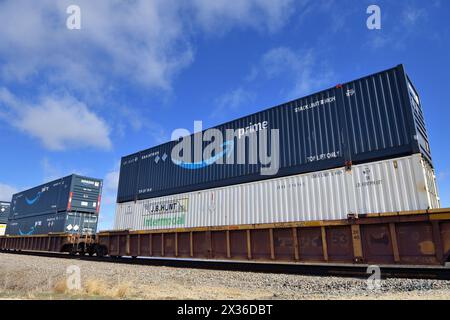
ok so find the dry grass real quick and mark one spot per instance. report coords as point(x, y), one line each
point(60, 287)
point(96, 288)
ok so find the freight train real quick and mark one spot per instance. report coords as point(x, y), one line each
point(342, 175)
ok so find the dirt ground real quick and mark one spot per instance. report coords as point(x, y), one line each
point(34, 277)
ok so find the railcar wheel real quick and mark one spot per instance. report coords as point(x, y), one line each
point(100, 251)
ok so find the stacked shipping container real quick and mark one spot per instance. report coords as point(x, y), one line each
point(359, 147)
point(70, 204)
point(401, 184)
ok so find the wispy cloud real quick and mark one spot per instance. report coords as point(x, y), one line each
point(110, 184)
point(144, 42)
point(412, 15)
point(306, 72)
point(132, 118)
point(6, 192)
point(263, 15)
point(59, 122)
point(443, 175)
point(232, 101)
point(397, 30)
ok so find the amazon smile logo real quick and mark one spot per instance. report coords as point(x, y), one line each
point(30, 202)
point(227, 150)
point(253, 144)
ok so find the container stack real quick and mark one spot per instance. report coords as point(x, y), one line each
point(67, 205)
point(360, 147)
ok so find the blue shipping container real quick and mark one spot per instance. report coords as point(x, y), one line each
point(373, 118)
point(71, 193)
point(69, 204)
point(65, 222)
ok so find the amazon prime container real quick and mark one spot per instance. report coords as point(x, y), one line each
point(374, 118)
point(54, 206)
point(399, 184)
point(64, 222)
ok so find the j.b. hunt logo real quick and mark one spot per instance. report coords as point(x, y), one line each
point(167, 206)
point(156, 213)
point(246, 145)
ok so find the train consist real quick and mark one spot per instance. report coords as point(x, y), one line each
point(343, 175)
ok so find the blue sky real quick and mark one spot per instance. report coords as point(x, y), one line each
point(78, 100)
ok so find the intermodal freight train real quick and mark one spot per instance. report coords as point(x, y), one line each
point(342, 175)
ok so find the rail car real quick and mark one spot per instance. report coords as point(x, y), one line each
point(399, 238)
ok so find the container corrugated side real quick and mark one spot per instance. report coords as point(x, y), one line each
point(373, 118)
point(399, 184)
point(384, 117)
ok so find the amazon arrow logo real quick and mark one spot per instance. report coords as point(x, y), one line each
point(29, 233)
point(227, 146)
point(34, 200)
point(255, 144)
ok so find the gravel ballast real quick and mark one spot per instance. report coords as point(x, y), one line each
point(28, 276)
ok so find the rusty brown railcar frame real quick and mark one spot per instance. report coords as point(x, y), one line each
point(412, 238)
point(57, 242)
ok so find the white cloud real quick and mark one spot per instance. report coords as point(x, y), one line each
point(138, 120)
point(302, 69)
point(263, 15)
point(51, 172)
point(412, 15)
point(400, 28)
point(140, 41)
point(307, 74)
point(58, 122)
point(443, 175)
point(111, 181)
point(6, 192)
point(232, 101)
point(110, 185)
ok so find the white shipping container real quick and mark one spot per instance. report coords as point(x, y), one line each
point(393, 185)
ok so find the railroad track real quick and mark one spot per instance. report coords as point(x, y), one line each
point(323, 270)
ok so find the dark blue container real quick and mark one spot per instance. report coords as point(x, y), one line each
point(369, 119)
point(4, 212)
point(52, 206)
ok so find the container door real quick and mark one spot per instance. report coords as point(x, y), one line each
point(129, 172)
point(376, 117)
